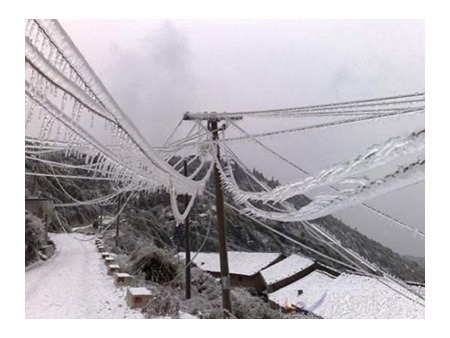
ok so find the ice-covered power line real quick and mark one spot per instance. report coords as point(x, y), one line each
point(376, 156)
point(327, 204)
point(420, 133)
point(62, 84)
point(376, 105)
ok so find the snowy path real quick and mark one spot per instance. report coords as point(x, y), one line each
point(74, 284)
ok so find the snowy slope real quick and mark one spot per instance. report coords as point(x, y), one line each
point(313, 287)
point(350, 297)
point(74, 284)
point(354, 296)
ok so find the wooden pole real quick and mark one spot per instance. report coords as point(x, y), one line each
point(101, 219)
point(187, 241)
point(118, 220)
point(223, 254)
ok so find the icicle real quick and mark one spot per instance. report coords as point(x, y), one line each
point(57, 62)
point(40, 42)
point(46, 88)
point(30, 114)
point(40, 110)
point(52, 55)
point(72, 75)
point(43, 127)
point(76, 106)
point(92, 119)
point(63, 101)
point(58, 130)
point(33, 76)
point(40, 84)
point(80, 110)
point(29, 26)
point(46, 48)
point(55, 92)
point(63, 67)
point(33, 32)
point(60, 63)
point(49, 131)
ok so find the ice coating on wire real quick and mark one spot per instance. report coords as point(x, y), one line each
point(61, 64)
point(376, 156)
point(326, 204)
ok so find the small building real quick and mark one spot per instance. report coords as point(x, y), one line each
point(41, 208)
point(244, 267)
point(286, 272)
point(38, 206)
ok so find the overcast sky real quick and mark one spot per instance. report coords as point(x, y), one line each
point(159, 69)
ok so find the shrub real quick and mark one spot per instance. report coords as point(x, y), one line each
point(163, 304)
point(34, 237)
point(156, 265)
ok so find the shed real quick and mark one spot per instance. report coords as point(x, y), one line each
point(286, 272)
point(244, 267)
point(40, 207)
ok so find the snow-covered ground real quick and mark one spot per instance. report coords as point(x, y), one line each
point(307, 292)
point(74, 284)
point(350, 297)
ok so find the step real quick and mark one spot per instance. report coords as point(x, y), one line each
point(105, 254)
point(101, 248)
point(123, 279)
point(138, 297)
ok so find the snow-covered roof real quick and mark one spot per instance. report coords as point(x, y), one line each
point(240, 263)
point(352, 296)
point(286, 268)
point(312, 288)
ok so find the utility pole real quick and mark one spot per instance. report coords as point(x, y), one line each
point(223, 253)
point(187, 244)
point(101, 218)
point(118, 220)
point(33, 193)
point(212, 120)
